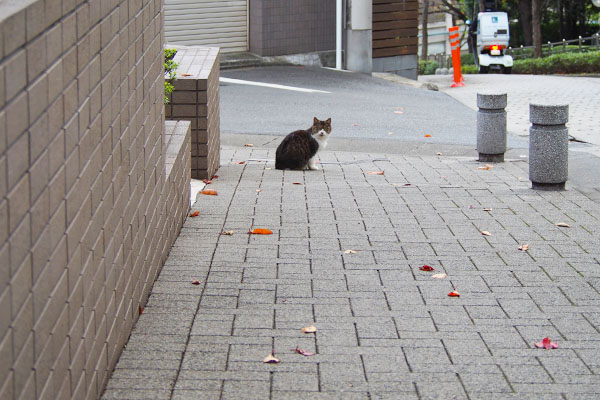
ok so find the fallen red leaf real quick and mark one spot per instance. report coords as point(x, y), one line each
point(271, 359)
point(209, 192)
point(207, 181)
point(296, 183)
point(428, 135)
point(240, 162)
point(546, 344)
point(260, 231)
point(427, 268)
point(195, 214)
point(195, 282)
point(140, 310)
point(375, 172)
point(303, 352)
point(454, 293)
point(215, 176)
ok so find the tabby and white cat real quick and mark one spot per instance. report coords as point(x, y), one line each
point(298, 150)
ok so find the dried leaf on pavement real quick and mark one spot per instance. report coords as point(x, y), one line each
point(547, 344)
point(485, 167)
point(486, 233)
point(454, 293)
point(296, 183)
point(350, 251)
point(240, 162)
point(309, 329)
point(428, 135)
point(195, 214)
point(487, 209)
point(186, 74)
point(427, 268)
point(375, 172)
point(524, 247)
point(209, 192)
point(227, 233)
point(304, 352)
point(260, 231)
point(439, 276)
point(271, 359)
point(248, 145)
point(438, 154)
point(563, 225)
point(195, 282)
point(207, 181)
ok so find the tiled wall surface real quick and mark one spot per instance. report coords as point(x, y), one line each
point(196, 99)
point(87, 212)
point(280, 27)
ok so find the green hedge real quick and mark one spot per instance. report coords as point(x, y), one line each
point(567, 63)
point(428, 67)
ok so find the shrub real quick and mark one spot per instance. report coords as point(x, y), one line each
point(170, 72)
point(567, 63)
point(428, 67)
point(467, 59)
point(469, 69)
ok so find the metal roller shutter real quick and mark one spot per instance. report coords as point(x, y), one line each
point(207, 23)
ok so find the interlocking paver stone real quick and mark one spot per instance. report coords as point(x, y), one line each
point(385, 329)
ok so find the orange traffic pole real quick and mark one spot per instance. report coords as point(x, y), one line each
point(455, 46)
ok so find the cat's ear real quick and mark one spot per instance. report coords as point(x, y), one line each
point(315, 120)
point(328, 121)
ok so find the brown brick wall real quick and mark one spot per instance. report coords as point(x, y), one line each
point(87, 212)
point(195, 98)
point(280, 27)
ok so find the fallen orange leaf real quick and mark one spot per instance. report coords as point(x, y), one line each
point(195, 214)
point(486, 167)
point(186, 74)
point(428, 135)
point(309, 329)
point(271, 359)
point(209, 192)
point(248, 145)
point(454, 293)
point(260, 231)
point(207, 181)
point(215, 176)
point(375, 172)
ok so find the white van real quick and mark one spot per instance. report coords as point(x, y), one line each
point(492, 41)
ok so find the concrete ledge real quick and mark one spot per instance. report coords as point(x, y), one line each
point(195, 98)
point(177, 140)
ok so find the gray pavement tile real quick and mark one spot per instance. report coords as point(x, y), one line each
point(135, 394)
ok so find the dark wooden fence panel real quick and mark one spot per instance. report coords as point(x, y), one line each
point(395, 27)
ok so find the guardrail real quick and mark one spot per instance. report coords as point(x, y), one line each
point(579, 45)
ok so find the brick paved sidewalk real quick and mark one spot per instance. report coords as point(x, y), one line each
point(386, 330)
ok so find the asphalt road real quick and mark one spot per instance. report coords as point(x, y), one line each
point(361, 107)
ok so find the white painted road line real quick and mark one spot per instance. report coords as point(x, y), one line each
point(270, 85)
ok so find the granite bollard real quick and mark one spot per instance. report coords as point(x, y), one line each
point(548, 146)
point(491, 127)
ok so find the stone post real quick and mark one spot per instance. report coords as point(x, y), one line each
point(491, 127)
point(548, 146)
